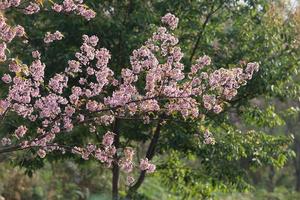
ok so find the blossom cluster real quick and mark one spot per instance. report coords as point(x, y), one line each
point(7, 34)
point(170, 20)
point(9, 3)
point(20, 131)
point(145, 165)
point(32, 8)
point(126, 162)
point(68, 6)
point(208, 138)
point(104, 154)
point(75, 6)
point(50, 37)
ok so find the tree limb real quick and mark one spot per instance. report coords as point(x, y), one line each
point(201, 32)
point(115, 166)
point(149, 155)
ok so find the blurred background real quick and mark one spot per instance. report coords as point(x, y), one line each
point(257, 150)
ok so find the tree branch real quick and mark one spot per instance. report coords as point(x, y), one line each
point(115, 166)
point(10, 149)
point(201, 32)
point(149, 155)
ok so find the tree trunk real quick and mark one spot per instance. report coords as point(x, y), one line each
point(293, 128)
point(270, 184)
point(115, 166)
point(115, 182)
point(297, 163)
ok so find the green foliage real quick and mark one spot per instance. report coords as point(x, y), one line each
point(57, 181)
point(262, 118)
point(261, 194)
point(223, 166)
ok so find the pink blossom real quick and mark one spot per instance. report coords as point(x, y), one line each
point(76, 7)
point(4, 5)
point(49, 106)
point(6, 78)
point(58, 83)
point(22, 109)
point(74, 99)
point(4, 104)
point(81, 118)
point(68, 125)
point(91, 148)
point(51, 37)
point(217, 109)
point(101, 155)
point(146, 166)
point(90, 71)
point(14, 67)
point(108, 139)
point(127, 166)
point(21, 91)
point(57, 8)
point(110, 151)
point(208, 138)
point(129, 180)
point(88, 14)
point(15, 3)
point(200, 63)
point(107, 119)
point(55, 129)
point(69, 110)
point(170, 20)
point(41, 153)
point(76, 90)
point(103, 56)
point(141, 59)
point(149, 106)
point(32, 8)
point(69, 5)
point(151, 168)
point(20, 131)
point(5, 141)
point(9, 3)
point(128, 76)
point(92, 129)
point(37, 69)
point(2, 51)
point(93, 106)
point(209, 101)
point(36, 54)
point(128, 153)
point(82, 81)
point(20, 31)
point(251, 68)
point(74, 66)
point(93, 40)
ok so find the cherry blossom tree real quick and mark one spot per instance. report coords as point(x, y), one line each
point(156, 88)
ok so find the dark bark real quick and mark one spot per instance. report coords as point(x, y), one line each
point(270, 184)
point(297, 163)
point(150, 153)
point(10, 149)
point(115, 166)
point(201, 32)
point(292, 128)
